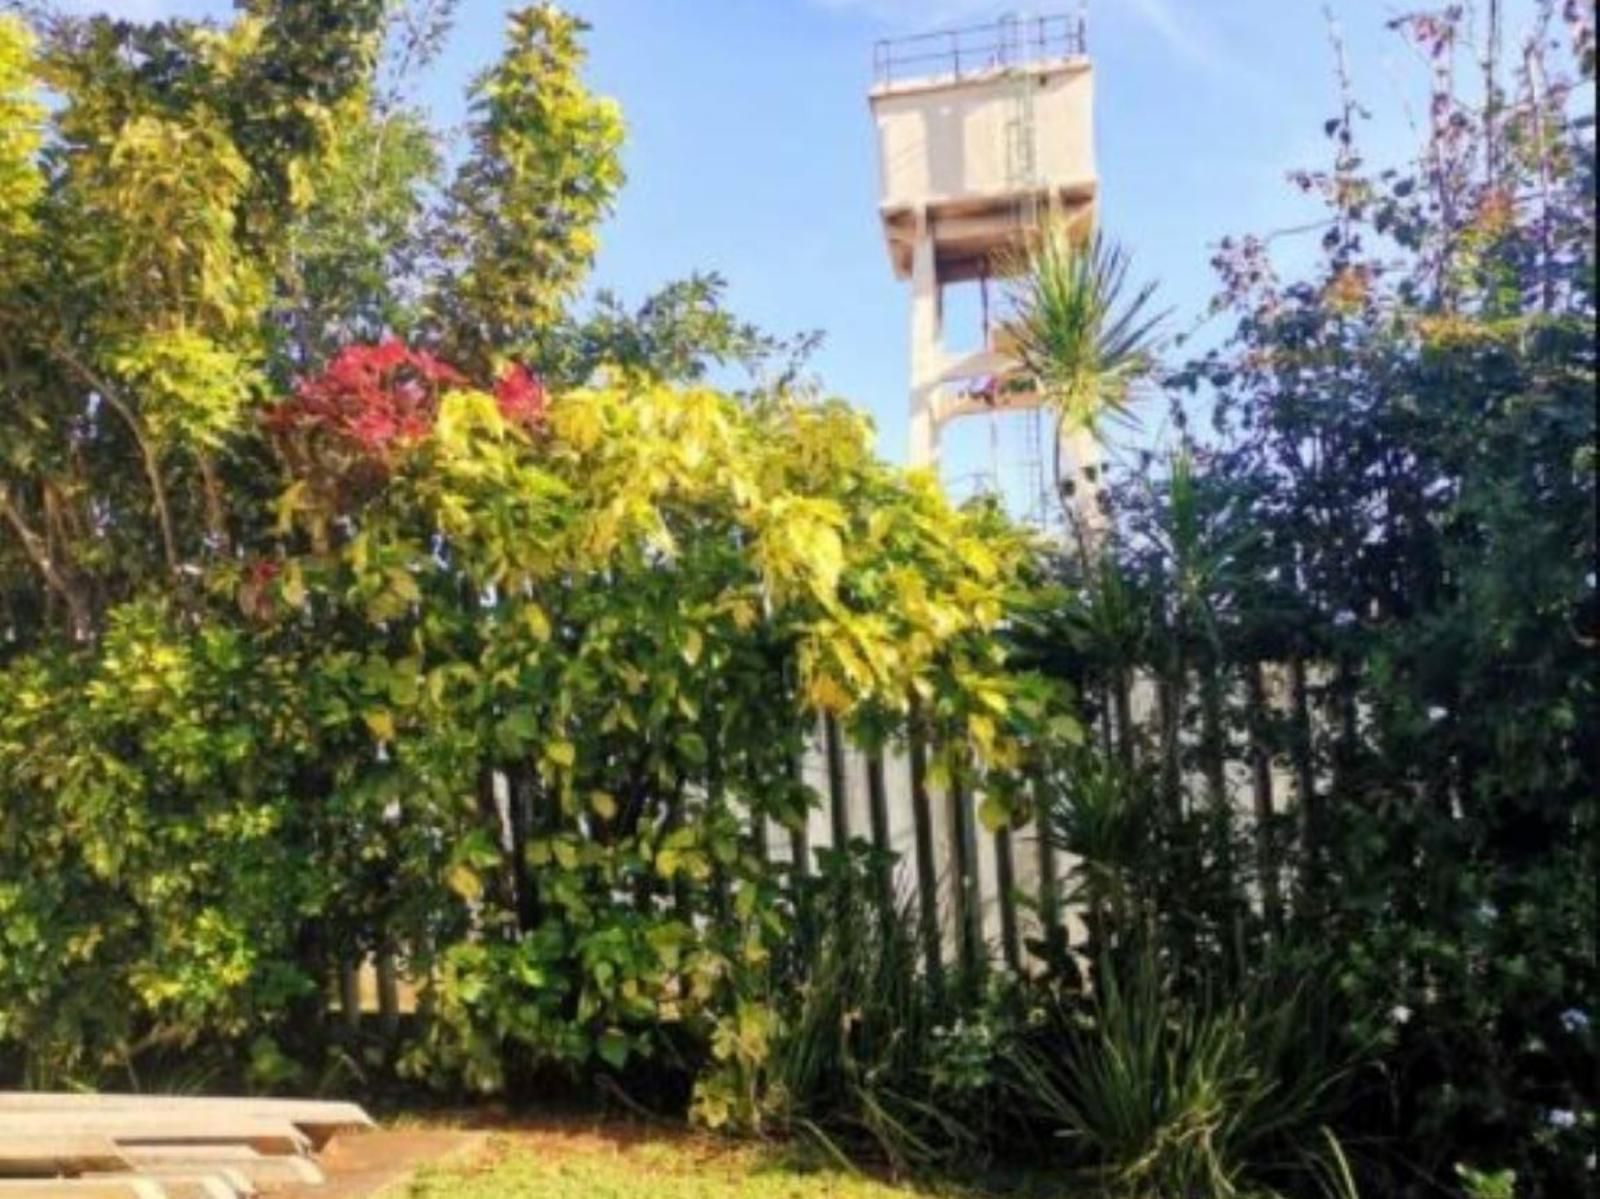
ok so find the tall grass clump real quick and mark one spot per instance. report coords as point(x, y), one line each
point(876, 1054)
point(1157, 1094)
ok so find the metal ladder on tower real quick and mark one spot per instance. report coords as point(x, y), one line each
point(1022, 178)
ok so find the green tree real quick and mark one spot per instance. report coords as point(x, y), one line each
point(543, 171)
point(1377, 572)
point(206, 214)
point(329, 642)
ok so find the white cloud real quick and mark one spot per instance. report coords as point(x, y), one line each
point(1184, 37)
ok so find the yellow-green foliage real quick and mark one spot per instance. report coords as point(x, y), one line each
point(21, 131)
point(194, 389)
point(283, 620)
point(166, 195)
point(680, 582)
point(632, 612)
point(544, 171)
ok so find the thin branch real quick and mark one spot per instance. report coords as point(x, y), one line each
point(1533, 57)
point(33, 545)
point(1491, 96)
point(216, 515)
point(147, 453)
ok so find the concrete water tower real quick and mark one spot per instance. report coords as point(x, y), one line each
point(980, 132)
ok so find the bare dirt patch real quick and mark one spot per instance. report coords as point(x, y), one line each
point(368, 1164)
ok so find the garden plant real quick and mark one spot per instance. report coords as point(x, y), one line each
point(366, 593)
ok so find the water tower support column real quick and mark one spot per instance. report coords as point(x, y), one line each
point(927, 346)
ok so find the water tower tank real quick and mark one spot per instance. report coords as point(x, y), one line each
point(979, 131)
point(976, 129)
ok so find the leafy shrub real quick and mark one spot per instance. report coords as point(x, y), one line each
point(421, 657)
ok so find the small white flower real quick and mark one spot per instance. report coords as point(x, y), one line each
point(1574, 1020)
point(1562, 1118)
point(1400, 1014)
point(1436, 713)
point(1487, 912)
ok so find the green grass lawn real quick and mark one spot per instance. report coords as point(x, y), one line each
point(658, 1167)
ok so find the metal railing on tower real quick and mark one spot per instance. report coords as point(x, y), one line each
point(956, 53)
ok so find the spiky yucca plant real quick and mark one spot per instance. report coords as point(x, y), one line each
point(1085, 334)
point(1222, 1093)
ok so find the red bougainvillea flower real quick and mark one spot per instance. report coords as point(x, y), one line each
point(385, 356)
point(373, 398)
point(255, 583)
point(520, 394)
point(262, 571)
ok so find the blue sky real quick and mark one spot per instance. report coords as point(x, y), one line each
point(751, 152)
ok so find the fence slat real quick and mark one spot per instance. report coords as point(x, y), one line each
point(1213, 746)
point(720, 891)
point(964, 859)
point(1049, 886)
point(1006, 884)
point(800, 859)
point(1305, 776)
point(799, 834)
point(838, 793)
point(878, 808)
point(927, 874)
point(1213, 762)
point(1122, 699)
point(1108, 723)
point(350, 993)
point(1169, 708)
point(758, 837)
point(1261, 787)
point(520, 802)
point(388, 993)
